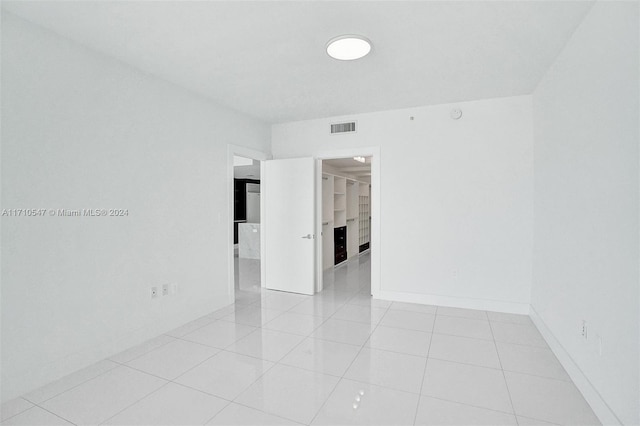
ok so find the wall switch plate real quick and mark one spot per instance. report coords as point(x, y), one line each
point(165, 289)
point(154, 292)
point(583, 331)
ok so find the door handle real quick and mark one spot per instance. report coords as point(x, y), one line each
point(308, 237)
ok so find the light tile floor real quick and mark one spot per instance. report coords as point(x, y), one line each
point(337, 358)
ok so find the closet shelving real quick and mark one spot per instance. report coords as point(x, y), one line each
point(339, 201)
point(327, 220)
point(364, 217)
point(327, 199)
point(342, 212)
point(353, 190)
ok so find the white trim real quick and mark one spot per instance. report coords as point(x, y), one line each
point(263, 225)
point(455, 302)
point(242, 151)
point(375, 202)
point(319, 270)
point(590, 393)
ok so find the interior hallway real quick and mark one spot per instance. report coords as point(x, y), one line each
point(339, 357)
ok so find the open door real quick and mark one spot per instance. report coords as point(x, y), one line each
point(290, 225)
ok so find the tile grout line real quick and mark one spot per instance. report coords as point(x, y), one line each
point(383, 325)
point(212, 320)
point(504, 376)
point(168, 381)
point(229, 401)
point(227, 351)
point(497, 369)
point(19, 412)
point(538, 420)
point(279, 362)
point(33, 406)
point(174, 338)
point(348, 368)
point(144, 353)
point(234, 401)
point(280, 313)
point(257, 409)
point(304, 337)
point(55, 414)
point(426, 362)
point(471, 405)
point(75, 386)
point(182, 384)
point(118, 364)
point(135, 402)
point(340, 305)
point(491, 340)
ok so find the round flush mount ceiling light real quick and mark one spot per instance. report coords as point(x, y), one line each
point(348, 47)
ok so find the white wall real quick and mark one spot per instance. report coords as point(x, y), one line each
point(456, 198)
point(586, 205)
point(80, 130)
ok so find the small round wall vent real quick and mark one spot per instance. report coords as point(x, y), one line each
point(456, 113)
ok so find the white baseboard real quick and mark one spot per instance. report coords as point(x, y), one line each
point(19, 384)
point(590, 393)
point(455, 302)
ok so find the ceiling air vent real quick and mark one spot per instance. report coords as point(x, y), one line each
point(343, 127)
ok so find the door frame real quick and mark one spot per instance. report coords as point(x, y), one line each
point(241, 151)
point(375, 203)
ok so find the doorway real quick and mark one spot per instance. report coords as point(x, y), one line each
point(246, 224)
point(285, 194)
point(246, 231)
point(348, 212)
point(346, 221)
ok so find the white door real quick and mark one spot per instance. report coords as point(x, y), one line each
point(289, 218)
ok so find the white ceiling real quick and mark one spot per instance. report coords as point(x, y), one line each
point(247, 172)
point(350, 166)
point(267, 58)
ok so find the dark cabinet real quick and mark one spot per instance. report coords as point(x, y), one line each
point(340, 243)
point(240, 203)
point(239, 199)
